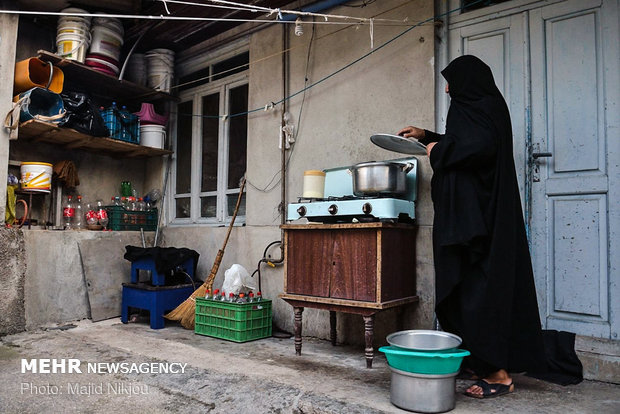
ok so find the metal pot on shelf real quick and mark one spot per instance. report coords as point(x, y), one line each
point(380, 178)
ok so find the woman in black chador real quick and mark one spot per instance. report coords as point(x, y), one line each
point(485, 289)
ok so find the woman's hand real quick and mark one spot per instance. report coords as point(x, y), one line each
point(429, 147)
point(411, 132)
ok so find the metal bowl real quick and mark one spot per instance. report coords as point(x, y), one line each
point(424, 340)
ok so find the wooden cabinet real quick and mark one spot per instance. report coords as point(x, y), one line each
point(371, 262)
point(358, 268)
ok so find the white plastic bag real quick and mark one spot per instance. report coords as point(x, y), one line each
point(237, 280)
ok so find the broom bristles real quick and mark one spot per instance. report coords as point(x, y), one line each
point(188, 307)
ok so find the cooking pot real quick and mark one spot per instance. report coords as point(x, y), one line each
point(380, 178)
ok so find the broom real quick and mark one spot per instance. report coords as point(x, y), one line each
point(186, 311)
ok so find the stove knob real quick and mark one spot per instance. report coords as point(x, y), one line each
point(302, 211)
point(367, 208)
point(333, 209)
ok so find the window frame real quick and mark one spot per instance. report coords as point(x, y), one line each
point(195, 95)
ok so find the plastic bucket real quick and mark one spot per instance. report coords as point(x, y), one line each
point(152, 135)
point(314, 184)
point(33, 72)
point(136, 69)
point(73, 35)
point(102, 64)
point(36, 176)
point(160, 69)
point(41, 104)
point(107, 38)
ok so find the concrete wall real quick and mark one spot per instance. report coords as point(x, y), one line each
point(392, 88)
point(12, 276)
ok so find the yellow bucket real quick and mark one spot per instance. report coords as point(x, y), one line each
point(36, 176)
point(35, 72)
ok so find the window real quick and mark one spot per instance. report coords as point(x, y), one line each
point(468, 5)
point(211, 143)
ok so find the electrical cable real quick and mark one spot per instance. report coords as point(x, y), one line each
point(301, 107)
point(246, 7)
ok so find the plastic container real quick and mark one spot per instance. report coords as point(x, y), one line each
point(106, 65)
point(73, 35)
point(237, 322)
point(107, 37)
point(123, 125)
point(152, 135)
point(314, 184)
point(120, 219)
point(36, 177)
point(136, 69)
point(421, 362)
point(160, 69)
point(148, 116)
point(41, 104)
point(33, 72)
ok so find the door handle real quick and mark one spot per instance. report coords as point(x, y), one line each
point(537, 155)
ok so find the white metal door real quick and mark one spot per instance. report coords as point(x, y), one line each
point(557, 65)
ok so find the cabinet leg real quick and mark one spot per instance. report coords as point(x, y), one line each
point(298, 311)
point(369, 327)
point(332, 327)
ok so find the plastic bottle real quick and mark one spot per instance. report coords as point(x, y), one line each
point(208, 294)
point(251, 297)
point(223, 296)
point(231, 297)
point(241, 298)
point(68, 212)
point(141, 204)
point(216, 294)
point(259, 297)
point(78, 219)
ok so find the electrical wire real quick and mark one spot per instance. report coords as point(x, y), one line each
point(266, 189)
point(271, 11)
point(342, 69)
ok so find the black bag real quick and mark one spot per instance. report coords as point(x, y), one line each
point(83, 115)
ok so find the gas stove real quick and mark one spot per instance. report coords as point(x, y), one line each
point(339, 205)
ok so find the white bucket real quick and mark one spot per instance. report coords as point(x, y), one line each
point(73, 35)
point(36, 176)
point(152, 135)
point(314, 184)
point(160, 69)
point(107, 38)
point(136, 69)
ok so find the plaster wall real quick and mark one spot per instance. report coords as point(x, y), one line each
point(55, 290)
point(384, 92)
point(12, 276)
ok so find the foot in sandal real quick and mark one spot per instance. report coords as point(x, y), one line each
point(496, 384)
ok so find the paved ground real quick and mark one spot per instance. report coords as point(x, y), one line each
point(262, 376)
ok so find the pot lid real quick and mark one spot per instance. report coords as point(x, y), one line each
point(397, 143)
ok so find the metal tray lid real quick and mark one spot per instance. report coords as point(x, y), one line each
point(397, 143)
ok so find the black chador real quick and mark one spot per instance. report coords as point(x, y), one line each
point(485, 289)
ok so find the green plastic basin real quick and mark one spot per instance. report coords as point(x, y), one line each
point(421, 362)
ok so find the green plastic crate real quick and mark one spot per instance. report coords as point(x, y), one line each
point(237, 322)
point(120, 219)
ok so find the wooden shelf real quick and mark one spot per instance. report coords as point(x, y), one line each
point(71, 139)
point(104, 85)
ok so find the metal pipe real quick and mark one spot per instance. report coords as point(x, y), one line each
point(315, 8)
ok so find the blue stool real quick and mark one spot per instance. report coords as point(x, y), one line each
point(157, 279)
point(158, 300)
